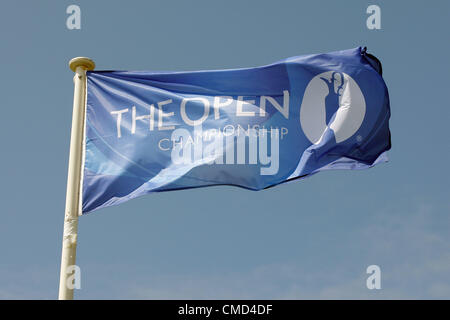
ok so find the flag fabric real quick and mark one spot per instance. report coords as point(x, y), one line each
point(253, 128)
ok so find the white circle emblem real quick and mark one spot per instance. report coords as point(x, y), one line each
point(332, 100)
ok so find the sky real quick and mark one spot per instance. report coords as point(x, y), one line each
point(312, 239)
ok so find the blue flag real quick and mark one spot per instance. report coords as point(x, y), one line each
point(253, 128)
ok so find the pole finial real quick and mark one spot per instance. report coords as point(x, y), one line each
point(83, 62)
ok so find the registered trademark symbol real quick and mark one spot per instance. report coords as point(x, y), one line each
point(358, 138)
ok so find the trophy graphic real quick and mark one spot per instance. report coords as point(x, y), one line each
point(335, 87)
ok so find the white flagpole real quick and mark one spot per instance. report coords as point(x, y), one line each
point(69, 244)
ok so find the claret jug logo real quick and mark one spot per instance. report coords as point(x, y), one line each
point(332, 100)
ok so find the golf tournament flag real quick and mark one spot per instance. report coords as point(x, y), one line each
point(135, 133)
point(253, 128)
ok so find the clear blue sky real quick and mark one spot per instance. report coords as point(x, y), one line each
point(310, 239)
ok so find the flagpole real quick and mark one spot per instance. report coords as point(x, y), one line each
point(69, 244)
